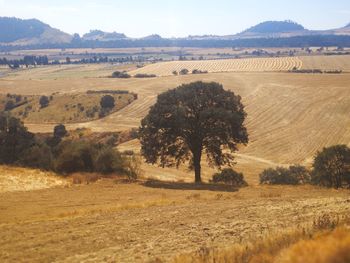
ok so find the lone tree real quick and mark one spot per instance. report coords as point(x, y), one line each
point(59, 131)
point(192, 119)
point(332, 167)
point(44, 101)
point(107, 102)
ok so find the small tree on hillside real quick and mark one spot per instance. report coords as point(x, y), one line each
point(332, 166)
point(192, 119)
point(44, 101)
point(183, 71)
point(107, 102)
point(59, 131)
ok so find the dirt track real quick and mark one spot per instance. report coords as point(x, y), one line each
point(109, 222)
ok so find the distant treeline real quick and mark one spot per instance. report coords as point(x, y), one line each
point(43, 60)
point(298, 41)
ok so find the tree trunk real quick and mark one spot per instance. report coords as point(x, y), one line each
point(197, 166)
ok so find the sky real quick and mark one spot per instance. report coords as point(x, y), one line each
point(180, 18)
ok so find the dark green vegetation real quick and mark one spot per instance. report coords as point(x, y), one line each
point(293, 175)
point(331, 168)
point(229, 176)
point(120, 75)
point(192, 119)
point(107, 102)
point(59, 153)
point(140, 76)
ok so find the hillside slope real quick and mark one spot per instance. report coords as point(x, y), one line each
point(17, 31)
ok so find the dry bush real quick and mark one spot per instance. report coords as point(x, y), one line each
point(85, 178)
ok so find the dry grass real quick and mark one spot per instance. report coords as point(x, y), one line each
point(119, 222)
point(66, 108)
point(296, 244)
point(331, 247)
point(13, 179)
point(327, 62)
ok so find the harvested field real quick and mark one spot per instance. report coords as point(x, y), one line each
point(290, 116)
point(224, 65)
point(341, 62)
point(109, 222)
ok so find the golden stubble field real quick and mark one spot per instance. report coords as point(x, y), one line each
point(114, 222)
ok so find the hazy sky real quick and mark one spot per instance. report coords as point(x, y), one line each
point(138, 18)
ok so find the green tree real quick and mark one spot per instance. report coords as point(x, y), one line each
point(9, 105)
point(107, 102)
point(14, 139)
point(59, 131)
point(332, 166)
point(192, 119)
point(44, 101)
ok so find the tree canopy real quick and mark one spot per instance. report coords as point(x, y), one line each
point(332, 166)
point(192, 119)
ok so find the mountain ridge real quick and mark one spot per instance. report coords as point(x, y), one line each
point(26, 32)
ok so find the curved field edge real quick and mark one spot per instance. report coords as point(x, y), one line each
point(222, 65)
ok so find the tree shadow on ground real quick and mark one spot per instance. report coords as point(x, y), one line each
point(190, 186)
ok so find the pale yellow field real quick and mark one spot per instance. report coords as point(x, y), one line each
point(222, 65)
point(327, 62)
point(13, 179)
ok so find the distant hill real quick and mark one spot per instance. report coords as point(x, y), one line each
point(103, 36)
point(152, 37)
point(30, 31)
point(269, 27)
point(33, 34)
point(274, 29)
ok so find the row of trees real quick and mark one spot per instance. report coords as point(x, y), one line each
point(331, 168)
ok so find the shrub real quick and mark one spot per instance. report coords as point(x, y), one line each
point(75, 156)
point(38, 156)
point(59, 131)
point(331, 167)
point(293, 175)
point(132, 166)
point(107, 102)
point(229, 176)
point(44, 101)
point(9, 105)
point(183, 71)
point(175, 73)
point(120, 75)
point(197, 71)
point(108, 161)
point(145, 76)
